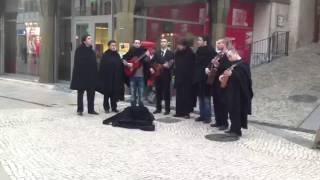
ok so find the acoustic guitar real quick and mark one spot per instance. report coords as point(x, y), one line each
point(136, 64)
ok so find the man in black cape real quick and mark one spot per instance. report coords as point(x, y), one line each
point(239, 93)
point(184, 68)
point(85, 74)
point(111, 77)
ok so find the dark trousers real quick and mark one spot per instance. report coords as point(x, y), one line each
point(90, 99)
point(113, 101)
point(220, 111)
point(163, 88)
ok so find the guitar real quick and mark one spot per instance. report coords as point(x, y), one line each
point(213, 70)
point(136, 64)
point(224, 79)
point(158, 68)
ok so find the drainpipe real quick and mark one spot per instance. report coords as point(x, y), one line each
point(316, 21)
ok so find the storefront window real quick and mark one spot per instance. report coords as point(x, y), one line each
point(23, 39)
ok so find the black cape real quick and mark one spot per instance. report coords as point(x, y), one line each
point(204, 56)
point(111, 76)
point(133, 117)
point(239, 90)
point(184, 71)
point(85, 69)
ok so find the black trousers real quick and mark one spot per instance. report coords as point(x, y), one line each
point(184, 102)
point(113, 101)
point(90, 99)
point(220, 105)
point(163, 91)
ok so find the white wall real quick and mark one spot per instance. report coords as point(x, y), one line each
point(261, 25)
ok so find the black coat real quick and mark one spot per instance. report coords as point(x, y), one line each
point(184, 67)
point(85, 70)
point(204, 56)
point(111, 75)
point(146, 65)
point(239, 91)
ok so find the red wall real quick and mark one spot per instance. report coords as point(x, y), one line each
point(240, 27)
point(187, 12)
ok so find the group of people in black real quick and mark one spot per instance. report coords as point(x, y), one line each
point(230, 92)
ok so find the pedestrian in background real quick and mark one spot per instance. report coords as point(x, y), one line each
point(85, 74)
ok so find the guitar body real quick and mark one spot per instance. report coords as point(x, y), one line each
point(136, 64)
point(157, 72)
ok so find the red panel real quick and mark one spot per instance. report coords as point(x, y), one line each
point(240, 26)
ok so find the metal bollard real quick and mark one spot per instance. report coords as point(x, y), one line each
point(316, 144)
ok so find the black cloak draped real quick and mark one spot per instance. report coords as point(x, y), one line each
point(239, 91)
point(111, 75)
point(184, 71)
point(85, 69)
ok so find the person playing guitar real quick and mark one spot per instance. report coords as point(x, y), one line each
point(137, 65)
point(162, 62)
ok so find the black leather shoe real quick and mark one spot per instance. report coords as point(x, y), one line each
point(156, 111)
point(215, 125)
point(187, 116)
point(93, 112)
point(233, 134)
point(115, 110)
point(198, 119)
point(177, 115)
point(223, 128)
point(207, 121)
point(80, 113)
point(166, 113)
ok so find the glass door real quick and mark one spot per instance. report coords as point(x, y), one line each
point(100, 30)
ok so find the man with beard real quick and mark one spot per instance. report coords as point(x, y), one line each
point(111, 77)
point(204, 55)
point(184, 68)
point(219, 94)
point(140, 77)
point(237, 80)
point(163, 57)
point(85, 74)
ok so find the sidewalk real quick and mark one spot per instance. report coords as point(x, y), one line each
point(41, 137)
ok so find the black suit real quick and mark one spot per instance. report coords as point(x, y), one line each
point(163, 82)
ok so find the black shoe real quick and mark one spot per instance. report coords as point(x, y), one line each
point(187, 116)
point(233, 134)
point(215, 125)
point(198, 119)
point(156, 111)
point(115, 110)
point(107, 111)
point(223, 128)
point(93, 112)
point(177, 115)
point(207, 121)
point(80, 113)
point(166, 113)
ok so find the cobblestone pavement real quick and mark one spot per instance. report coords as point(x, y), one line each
point(275, 85)
point(54, 143)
